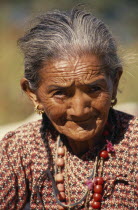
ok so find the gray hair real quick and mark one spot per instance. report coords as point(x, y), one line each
point(58, 34)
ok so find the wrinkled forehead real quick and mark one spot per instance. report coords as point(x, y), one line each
point(78, 68)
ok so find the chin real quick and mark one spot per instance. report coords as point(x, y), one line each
point(80, 136)
point(79, 133)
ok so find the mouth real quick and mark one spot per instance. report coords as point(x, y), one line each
point(81, 121)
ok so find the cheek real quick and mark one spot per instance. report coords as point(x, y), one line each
point(102, 103)
point(55, 112)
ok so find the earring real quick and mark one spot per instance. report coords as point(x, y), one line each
point(37, 110)
point(113, 102)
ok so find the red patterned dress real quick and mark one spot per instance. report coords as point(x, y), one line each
point(24, 160)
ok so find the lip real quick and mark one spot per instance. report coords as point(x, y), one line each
point(81, 121)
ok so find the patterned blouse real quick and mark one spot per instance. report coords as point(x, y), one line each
point(24, 161)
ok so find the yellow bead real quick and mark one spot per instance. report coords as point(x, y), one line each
point(61, 151)
point(61, 187)
point(60, 162)
point(59, 177)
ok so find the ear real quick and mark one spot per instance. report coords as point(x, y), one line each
point(116, 81)
point(31, 94)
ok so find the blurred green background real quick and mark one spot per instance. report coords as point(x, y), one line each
point(120, 16)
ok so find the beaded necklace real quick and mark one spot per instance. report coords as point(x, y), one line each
point(94, 183)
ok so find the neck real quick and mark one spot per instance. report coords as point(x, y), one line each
point(80, 147)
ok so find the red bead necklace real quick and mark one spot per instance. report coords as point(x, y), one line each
point(95, 183)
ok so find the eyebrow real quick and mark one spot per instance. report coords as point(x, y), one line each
point(95, 82)
point(61, 87)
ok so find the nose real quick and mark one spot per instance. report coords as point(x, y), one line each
point(79, 106)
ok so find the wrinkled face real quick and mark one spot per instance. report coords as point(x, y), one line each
point(76, 96)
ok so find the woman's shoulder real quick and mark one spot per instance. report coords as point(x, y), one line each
point(125, 119)
point(24, 134)
point(23, 146)
point(127, 125)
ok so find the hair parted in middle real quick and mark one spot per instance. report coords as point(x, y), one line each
point(59, 34)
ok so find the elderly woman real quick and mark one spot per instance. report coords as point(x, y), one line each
point(82, 154)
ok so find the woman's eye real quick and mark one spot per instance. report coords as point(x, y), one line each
point(95, 88)
point(59, 94)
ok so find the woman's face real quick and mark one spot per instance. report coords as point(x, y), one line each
point(76, 96)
